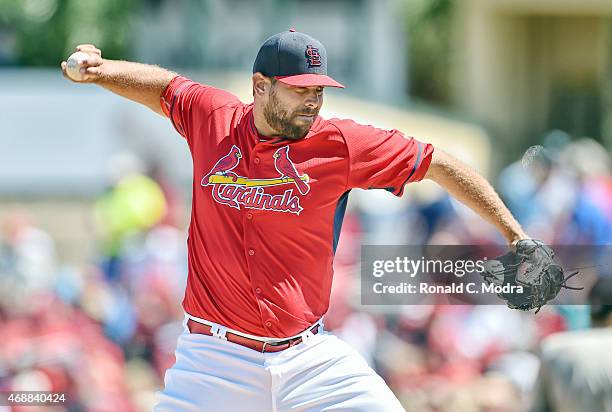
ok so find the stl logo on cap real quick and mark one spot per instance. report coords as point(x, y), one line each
point(313, 56)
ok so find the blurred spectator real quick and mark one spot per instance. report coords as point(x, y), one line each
point(27, 256)
point(590, 221)
point(562, 194)
point(133, 203)
point(576, 371)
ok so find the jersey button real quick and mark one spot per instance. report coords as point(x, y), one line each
point(256, 160)
point(268, 324)
point(249, 216)
point(251, 252)
point(258, 291)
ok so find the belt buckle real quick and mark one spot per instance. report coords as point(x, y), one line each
point(303, 337)
point(276, 343)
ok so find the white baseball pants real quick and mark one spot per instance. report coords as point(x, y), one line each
point(320, 374)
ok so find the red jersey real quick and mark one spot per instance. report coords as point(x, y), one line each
point(267, 212)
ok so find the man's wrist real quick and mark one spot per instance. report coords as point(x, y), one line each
point(514, 239)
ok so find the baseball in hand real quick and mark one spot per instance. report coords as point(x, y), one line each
point(74, 64)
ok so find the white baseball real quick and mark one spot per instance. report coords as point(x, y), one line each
point(74, 64)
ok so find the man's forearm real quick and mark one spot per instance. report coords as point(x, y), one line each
point(141, 83)
point(473, 190)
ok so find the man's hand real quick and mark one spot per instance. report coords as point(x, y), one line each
point(518, 239)
point(90, 68)
point(532, 267)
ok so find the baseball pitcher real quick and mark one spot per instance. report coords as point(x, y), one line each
point(270, 187)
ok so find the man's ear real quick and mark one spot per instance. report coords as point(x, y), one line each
point(261, 84)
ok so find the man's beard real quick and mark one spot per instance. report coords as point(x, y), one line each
point(285, 123)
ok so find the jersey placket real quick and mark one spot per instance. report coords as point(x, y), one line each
point(256, 167)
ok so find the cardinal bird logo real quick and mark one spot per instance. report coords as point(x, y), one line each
point(287, 169)
point(237, 192)
point(225, 165)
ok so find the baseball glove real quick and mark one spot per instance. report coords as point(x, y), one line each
point(532, 267)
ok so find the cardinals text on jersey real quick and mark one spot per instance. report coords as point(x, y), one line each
point(232, 190)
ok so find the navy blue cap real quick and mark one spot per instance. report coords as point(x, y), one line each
point(294, 58)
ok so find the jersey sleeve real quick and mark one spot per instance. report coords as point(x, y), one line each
point(189, 105)
point(384, 159)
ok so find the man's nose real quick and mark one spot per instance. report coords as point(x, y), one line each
point(313, 100)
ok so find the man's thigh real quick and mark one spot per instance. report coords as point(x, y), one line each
point(331, 376)
point(214, 375)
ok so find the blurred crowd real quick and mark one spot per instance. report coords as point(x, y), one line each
point(104, 333)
